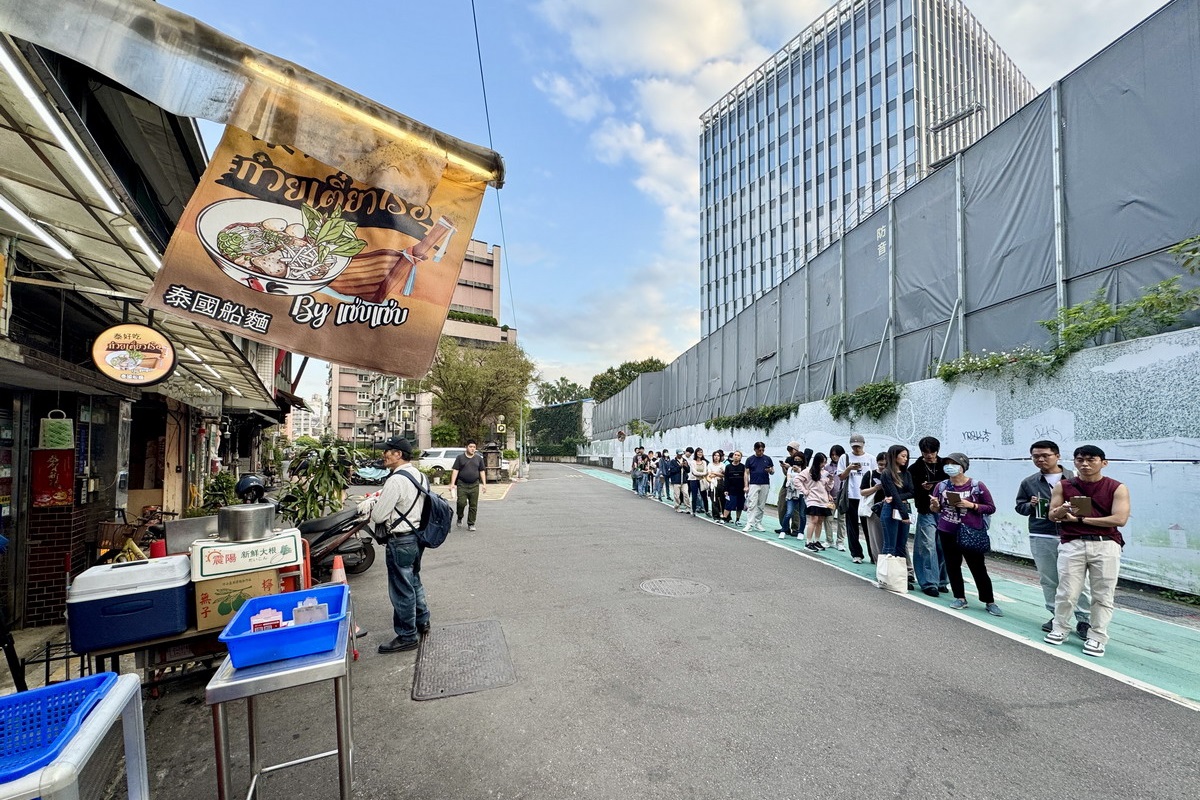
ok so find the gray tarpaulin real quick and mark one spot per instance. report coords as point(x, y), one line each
point(767, 346)
point(729, 357)
point(916, 351)
point(992, 328)
point(1008, 193)
point(859, 364)
point(926, 258)
point(867, 281)
point(793, 339)
point(747, 335)
point(1131, 126)
point(824, 308)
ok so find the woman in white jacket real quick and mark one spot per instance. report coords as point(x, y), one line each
point(698, 483)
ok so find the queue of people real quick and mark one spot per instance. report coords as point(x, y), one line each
point(928, 511)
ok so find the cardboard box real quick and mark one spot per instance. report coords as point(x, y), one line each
point(214, 559)
point(217, 600)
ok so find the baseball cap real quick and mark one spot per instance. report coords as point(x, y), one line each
point(794, 446)
point(679, 452)
point(399, 443)
point(857, 438)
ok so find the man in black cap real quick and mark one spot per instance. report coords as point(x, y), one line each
point(397, 508)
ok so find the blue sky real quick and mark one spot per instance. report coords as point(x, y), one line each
point(594, 106)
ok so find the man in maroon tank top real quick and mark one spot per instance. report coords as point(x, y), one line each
point(1089, 509)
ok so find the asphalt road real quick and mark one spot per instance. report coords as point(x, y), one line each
point(787, 679)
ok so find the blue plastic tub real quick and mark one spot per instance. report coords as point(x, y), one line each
point(36, 725)
point(247, 648)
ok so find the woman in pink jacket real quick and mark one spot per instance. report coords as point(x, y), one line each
point(817, 483)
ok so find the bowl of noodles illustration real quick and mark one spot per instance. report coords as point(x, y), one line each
point(277, 249)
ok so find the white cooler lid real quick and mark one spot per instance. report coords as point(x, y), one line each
point(131, 577)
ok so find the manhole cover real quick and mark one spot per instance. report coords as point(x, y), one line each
point(463, 658)
point(1154, 606)
point(673, 587)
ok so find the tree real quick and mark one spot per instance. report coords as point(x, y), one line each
point(614, 379)
point(473, 386)
point(305, 442)
point(445, 434)
point(561, 391)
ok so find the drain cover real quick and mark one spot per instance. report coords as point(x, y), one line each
point(464, 658)
point(673, 587)
point(1154, 606)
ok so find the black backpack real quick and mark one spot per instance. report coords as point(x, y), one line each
point(434, 525)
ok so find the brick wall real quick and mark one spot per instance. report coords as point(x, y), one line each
point(55, 533)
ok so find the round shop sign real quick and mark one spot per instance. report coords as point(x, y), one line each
point(135, 355)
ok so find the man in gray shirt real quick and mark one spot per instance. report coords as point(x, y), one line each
point(466, 478)
point(1033, 501)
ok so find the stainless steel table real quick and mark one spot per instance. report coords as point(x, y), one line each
point(230, 684)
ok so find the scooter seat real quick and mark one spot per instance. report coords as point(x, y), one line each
point(321, 524)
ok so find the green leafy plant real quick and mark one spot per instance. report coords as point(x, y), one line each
point(1188, 254)
point(320, 484)
point(218, 491)
point(763, 418)
point(872, 400)
point(1160, 307)
point(1025, 360)
point(444, 434)
point(510, 455)
point(636, 427)
point(478, 319)
point(557, 430)
point(841, 406)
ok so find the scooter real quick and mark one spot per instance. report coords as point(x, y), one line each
point(342, 534)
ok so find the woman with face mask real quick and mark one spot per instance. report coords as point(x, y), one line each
point(962, 501)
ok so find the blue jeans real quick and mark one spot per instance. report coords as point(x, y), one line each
point(699, 501)
point(409, 610)
point(795, 506)
point(929, 563)
point(895, 533)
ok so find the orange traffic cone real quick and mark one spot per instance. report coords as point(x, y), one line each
point(339, 571)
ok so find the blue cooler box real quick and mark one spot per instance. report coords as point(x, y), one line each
point(115, 604)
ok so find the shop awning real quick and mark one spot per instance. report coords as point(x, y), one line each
point(72, 220)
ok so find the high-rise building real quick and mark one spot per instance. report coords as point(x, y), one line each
point(862, 104)
point(368, 406)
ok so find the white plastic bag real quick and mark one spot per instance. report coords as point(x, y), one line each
point(892, 573)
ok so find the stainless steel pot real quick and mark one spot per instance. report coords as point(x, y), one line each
point(245, 523)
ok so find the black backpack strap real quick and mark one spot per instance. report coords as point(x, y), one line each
point(421, 490)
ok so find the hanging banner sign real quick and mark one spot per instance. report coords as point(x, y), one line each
point(278, 247)
point(53, 478)
point(135, 355)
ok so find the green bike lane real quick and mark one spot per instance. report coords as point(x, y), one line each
point(1152, 654)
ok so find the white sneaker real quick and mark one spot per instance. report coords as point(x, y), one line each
point(1093, 648)
point(760, 529)
point(470, 527)
point(782, 535)
point(747, 529)
point(842, 547)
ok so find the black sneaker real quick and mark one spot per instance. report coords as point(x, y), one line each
point(1048, 625)
point(931, 591)
point(943, 590)
point(398, 645)
point(1081, 630)
point(422, 629)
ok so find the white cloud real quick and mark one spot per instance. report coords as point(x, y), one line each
point(580, 99)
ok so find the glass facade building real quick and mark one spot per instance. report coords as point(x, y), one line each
point(863, 103)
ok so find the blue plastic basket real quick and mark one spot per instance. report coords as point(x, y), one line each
point(246, 648)
point(36, 725)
